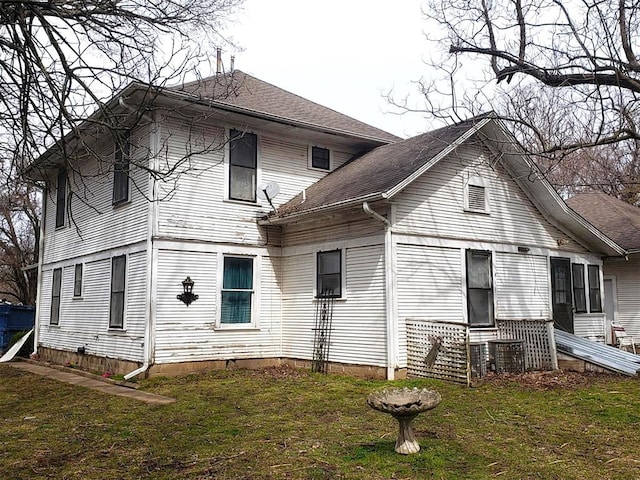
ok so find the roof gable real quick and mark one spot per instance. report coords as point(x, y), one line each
point(618, 219)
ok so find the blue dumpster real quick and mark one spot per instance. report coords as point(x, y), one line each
point(14, 318)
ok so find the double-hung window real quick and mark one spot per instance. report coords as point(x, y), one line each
point(320, 158)
point(579, 295)
point(77, 280)
point(61, 197)
point(329, 274)
point(243, 164)
point(479, 288)
point(121, 166)
point(118, 277)
point(595, 302)
point(237, 291)
point(54, 319)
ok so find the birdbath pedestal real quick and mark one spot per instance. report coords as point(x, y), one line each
point(404, 404)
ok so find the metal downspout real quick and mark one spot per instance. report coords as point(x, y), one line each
point(392, 323)
point(43, 219)
point(150, 311)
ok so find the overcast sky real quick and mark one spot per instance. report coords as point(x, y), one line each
point(344, 54)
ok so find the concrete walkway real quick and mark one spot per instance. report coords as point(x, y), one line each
point(92, 383)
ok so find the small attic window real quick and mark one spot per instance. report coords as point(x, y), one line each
point(319, 158)
point(476, 195)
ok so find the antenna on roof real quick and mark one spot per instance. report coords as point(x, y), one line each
point(218, 61)
point(268, 191)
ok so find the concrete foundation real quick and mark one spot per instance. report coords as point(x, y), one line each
point(121, 367)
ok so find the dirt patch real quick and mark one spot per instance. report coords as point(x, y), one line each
point(558, 379)
point(279, 371)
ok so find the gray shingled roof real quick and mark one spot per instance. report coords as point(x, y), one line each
point(619, 220)
point(242, 91)
point(376, 173)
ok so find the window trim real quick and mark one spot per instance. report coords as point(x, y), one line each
point(310, 158)
point(123, 292)
point(576, 288)
point(477, 181)
point(595, 292)
point(343, 273)
point(121, 175)
point(229, 165)
point(61, 199)
point(57, 272)
point(255, 293)
point(78, 282)
point(492, 300)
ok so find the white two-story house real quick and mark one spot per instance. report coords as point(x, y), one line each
point(268, 201)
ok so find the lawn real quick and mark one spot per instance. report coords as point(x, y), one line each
point(281, 423)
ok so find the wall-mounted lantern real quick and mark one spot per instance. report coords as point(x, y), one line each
point(187, 297)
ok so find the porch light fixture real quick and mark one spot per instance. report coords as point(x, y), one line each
point(187, 297)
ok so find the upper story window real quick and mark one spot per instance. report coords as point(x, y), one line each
point(61, 197)
point(320, 158)
point(121, 164)
point(476, 195)
point(237, 291)
point(479, 288)
point(243, 165)
point(54, 318)
point(329, 275)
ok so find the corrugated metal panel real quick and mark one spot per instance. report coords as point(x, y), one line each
point(188, 333)
point(96, 224)
point(522, 286)
point(429, 283)
point(434, 205)
point(359, 321)
point(598, 354)
point(627, 274)
point(85, 321)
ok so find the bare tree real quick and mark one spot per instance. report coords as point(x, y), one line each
point(565, 73)
point(60, 60)
point(19, 241)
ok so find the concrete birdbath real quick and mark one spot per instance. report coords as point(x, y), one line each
point(404, 404)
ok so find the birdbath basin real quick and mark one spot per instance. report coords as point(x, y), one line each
point(404, 404)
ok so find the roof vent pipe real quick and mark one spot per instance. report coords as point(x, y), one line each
point(218, 61)
point(233, 61)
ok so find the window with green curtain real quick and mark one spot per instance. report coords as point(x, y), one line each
point(237, 290)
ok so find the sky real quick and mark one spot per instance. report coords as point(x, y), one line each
point(345, 54)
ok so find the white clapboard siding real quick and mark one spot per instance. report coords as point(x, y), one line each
point(189, 334)
point(358, 333)
point(356, 227)
point(84, 322)
point(95, 224)
point(429, 283)
point(627, 276)
point(194, 204)
point(522, 286)
point(434, 205)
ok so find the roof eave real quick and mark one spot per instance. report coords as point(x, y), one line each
point(302, 214)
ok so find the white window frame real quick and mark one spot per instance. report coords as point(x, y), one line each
point(56, 294)
point(255, 297)
point(124, 293)
point(75, 279)
point(343, 271)
point(492, 266)
point(62, 173)
point(477, 182)
point(310, 158)
point(227, 166)
point(124, 155)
